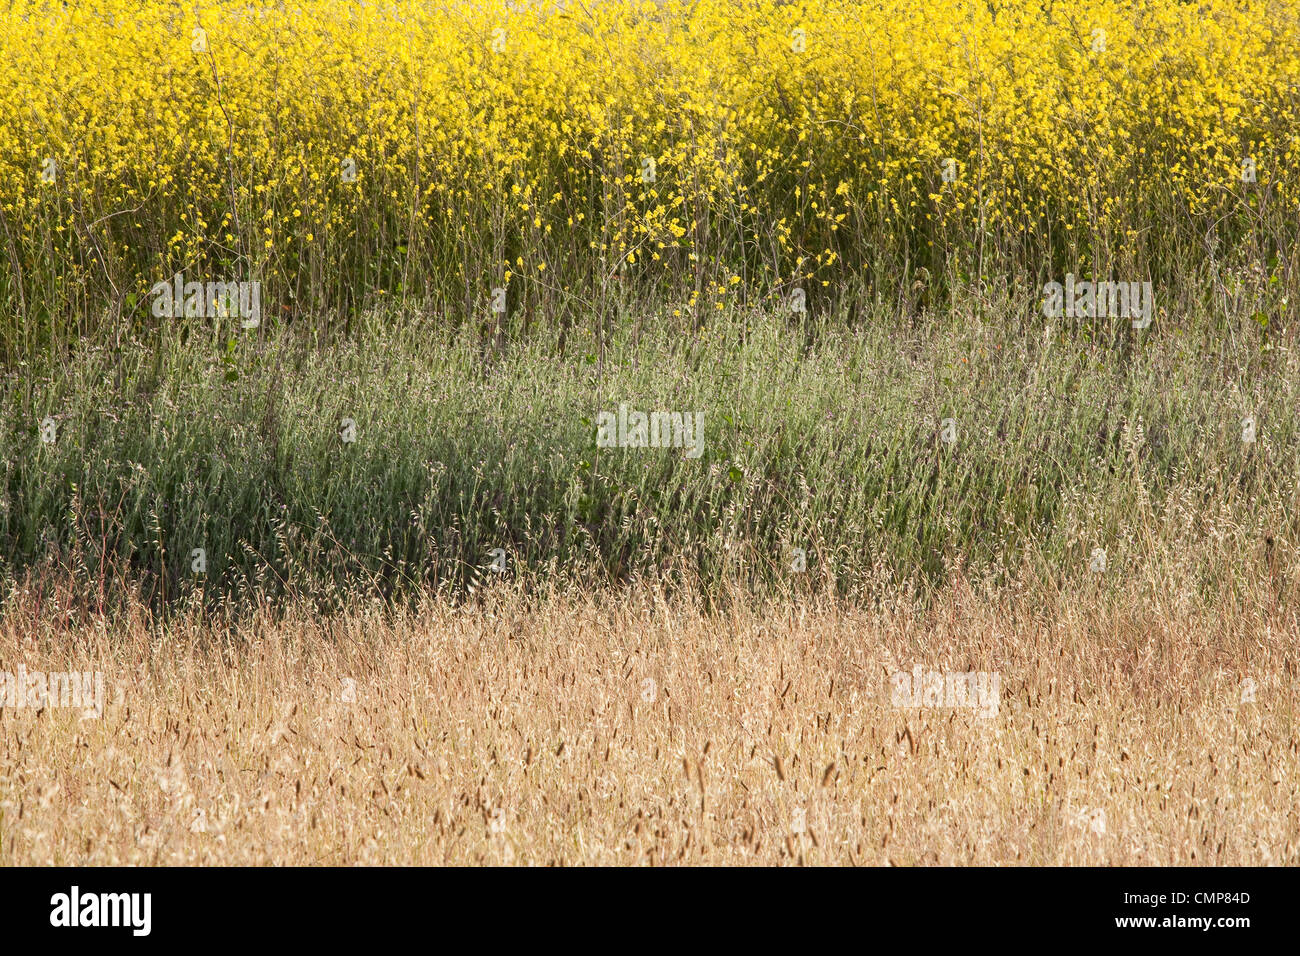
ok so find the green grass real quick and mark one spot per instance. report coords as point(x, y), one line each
point(824, 436)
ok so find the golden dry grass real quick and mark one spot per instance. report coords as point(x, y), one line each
point(528, 733)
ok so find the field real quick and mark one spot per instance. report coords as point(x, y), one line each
point(702, 155)
point(649, 433)
point(623, 729)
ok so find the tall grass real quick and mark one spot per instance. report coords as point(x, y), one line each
point(638, 731)
point(823, 436)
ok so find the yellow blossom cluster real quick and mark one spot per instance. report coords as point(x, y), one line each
point(337, 149)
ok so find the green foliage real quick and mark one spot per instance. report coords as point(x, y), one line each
point(816, 436)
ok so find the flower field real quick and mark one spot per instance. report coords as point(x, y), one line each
point(716, 151)
point(690, 431)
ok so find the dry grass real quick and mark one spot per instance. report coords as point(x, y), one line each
point(518, 733)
